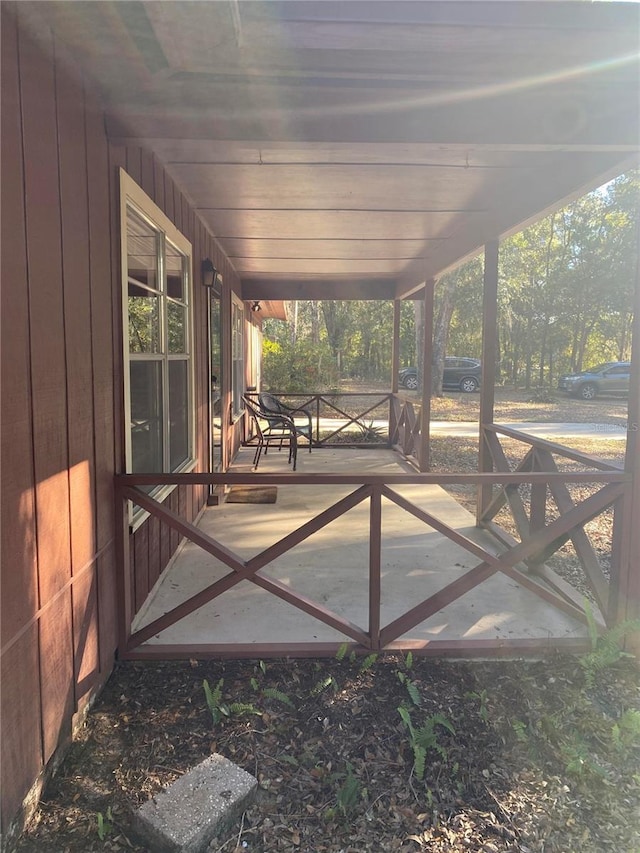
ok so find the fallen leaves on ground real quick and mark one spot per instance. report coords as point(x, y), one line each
point(529, 759)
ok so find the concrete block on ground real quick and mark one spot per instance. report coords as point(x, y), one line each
point(192, 811)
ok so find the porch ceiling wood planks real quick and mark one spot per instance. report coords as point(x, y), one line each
point(364, 147)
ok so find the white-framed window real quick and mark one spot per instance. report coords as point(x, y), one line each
point(158, 337)
point(237, 354)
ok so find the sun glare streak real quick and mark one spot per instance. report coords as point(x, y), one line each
point(449, 97)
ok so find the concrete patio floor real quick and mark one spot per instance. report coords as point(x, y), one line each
point(331, 567)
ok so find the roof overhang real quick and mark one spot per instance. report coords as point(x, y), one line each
point(358, 149)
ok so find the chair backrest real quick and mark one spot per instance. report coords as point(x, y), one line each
point(258, 411)
point(270, 403)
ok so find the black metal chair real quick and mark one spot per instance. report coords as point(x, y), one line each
point(279, 428)
point(269, 403)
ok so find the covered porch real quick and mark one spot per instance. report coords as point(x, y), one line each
point(353, 151)
point(195, 165)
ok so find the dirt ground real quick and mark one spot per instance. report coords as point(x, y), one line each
point(535, 407)
point(359, 754)
point(500, 757)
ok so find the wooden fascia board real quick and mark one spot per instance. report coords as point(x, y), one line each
point(405, 290)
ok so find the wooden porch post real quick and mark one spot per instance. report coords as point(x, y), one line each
point(225, 384)
point(395, 366)
point(425, 412)
point(487, 391)
point(625, 570)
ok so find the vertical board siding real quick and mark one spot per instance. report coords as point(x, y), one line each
point(19, 567)
point(168, 197)
point(86, 648)
point(141, 565)
point(56, 674)
point(165, 545)
point(158, 183)
point(174, 505)
point(57, 416)
point(154, 550)
point(49, 387)
point(134, 163)
point(107, 612)
point(47, 327)
point(74, 211)
point(62, 409)
point(21, 753)
point(106, 437)
point(147, 181)
point(77, 319)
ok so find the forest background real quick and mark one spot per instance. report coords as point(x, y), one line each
point(565, 302)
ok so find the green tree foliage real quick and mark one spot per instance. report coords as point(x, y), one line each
point(566, 286)
point(334, 340)
point(298, 368)
point(565, 296)
point(565, 290)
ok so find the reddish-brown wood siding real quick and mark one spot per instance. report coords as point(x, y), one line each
point(107, 616)
point(106, 361)
point(62, 401)
point(154, 550)
point(21, 753)
point(21, 716)
point(49, 386)
point(19, 566)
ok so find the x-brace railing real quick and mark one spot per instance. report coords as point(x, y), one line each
point(404, 427)
point(372, 488)
point(541, 456)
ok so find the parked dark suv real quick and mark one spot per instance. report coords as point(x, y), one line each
point(460, 374)
point(609, 378)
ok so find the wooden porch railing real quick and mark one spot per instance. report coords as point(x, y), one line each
point(404, 426)
point(540, 538)
point(364, 425)
point(553, 497)
point(399, 428)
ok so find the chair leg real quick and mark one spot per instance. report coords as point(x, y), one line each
point(256, 455)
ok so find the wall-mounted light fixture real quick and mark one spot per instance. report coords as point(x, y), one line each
point(256, 306)
point(209, 273)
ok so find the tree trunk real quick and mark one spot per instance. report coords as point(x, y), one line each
point(294, 325)
point(516, 354)
point(315, 322)
point(528, 354)
point(543, 351)
point(441, 334)
point(335, 321)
